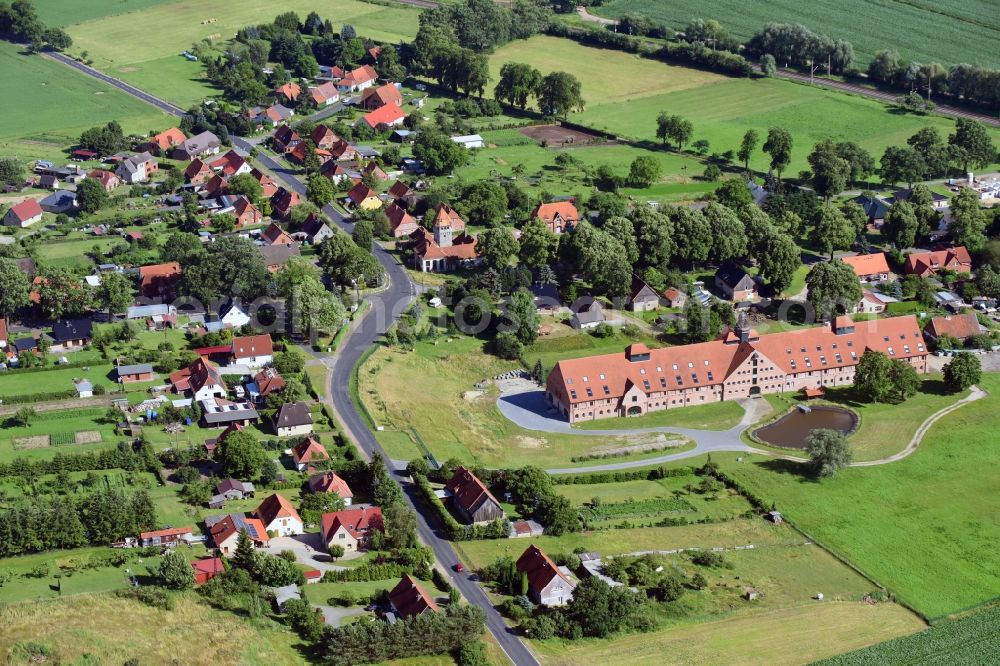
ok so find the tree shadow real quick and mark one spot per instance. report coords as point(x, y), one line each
point(800, 470)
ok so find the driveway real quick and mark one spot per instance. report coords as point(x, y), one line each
point(309, 551)
point(529, 410)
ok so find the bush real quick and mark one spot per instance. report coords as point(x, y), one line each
point(708, 558)
point(151, 596)
point(712, 173)
point(603, 330)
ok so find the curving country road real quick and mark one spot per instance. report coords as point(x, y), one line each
point(386, 307)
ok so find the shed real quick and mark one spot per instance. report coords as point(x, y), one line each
point(84, 389)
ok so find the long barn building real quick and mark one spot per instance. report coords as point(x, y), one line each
point(739, 364)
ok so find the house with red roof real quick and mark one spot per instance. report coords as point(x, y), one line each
point(231, 164)
point(166, 140)
point(358, 79)
point(869, 267)
point(471, 499)
point(390, 115)
point(288, 92)
point(3, 333)
point(159, 280)
point(254, 351)
point(959, 327)
point(323, 137)
point(266, 382)
point(23, 214)
point(299, 152)
point(399, 190)
point(448, 247)
point(325, 94)
point(342, 150)
point(199, 381)
point(170, 536)
point(285, 138)
point(740, 364)
point(308, 452)
point(548, 584)
point(408, 599)
point(225, 533)
point(376, 98)
point(363, 197)
point(215, 187)
point(560, 216)
point(283, 202)
point(206, 569)
point(401, 223)
point(108, 180)
point(351, 528)
point(246, 213)
point(268, 187)
point(924, 264)
point(275, 235)
point(279, 516)
point(329, 482)
point(277, 114)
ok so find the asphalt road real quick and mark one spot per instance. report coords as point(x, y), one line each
point(386, 307)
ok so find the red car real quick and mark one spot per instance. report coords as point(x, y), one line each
point(458, 567)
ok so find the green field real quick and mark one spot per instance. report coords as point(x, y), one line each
point(722, 109)
point(61, 427)
point(966, 641)
point(54, 104)
point(67, 12)
point(150, 58)
point(716, 416)
point(923, 526)
point(947, 31)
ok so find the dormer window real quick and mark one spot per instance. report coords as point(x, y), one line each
point(590, 392)
point(675, 366)
point(602, 376)
point(572, 394)
point(645, 384)
point(585, 379)
point(642, 371)
point(690, 364)
point(569, 380)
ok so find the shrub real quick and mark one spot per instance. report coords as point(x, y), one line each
point(708, 558)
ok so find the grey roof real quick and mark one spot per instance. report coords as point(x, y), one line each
point(234, 484)
point(200, 143)
point(61, 199)
point(229, 413)
point(874, 208)
point(137, 369)
point(24, 344)
point(72, 329)
point(732, 275)
point(593, 314)
point(278, 255)
point(143, 311)
point(286, 593)
point(293, 414)
point(84, 385)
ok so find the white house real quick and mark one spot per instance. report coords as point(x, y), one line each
point(254, 351)
point(137, 168)
point(293, 419)
point(279, 516)
point(235, 316)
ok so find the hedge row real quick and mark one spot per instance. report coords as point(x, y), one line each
point(617, 477)
point(38, 397)
point(455, 530)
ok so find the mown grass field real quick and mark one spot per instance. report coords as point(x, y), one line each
point(715, 416)
point(54, 104)
point(61, 428)
point(885, 428)
point(722, 109)
point(104, 629)
point(150, 58)
point(923, 526)
point(67, 12)
point(453, 420)
point(947, 31)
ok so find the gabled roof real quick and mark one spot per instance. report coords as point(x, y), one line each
point(357, 522)
point(72, 329)
point(733, 275)
point(399, 190)
point(166, 532)
point(468, 491)
point(268, 381)
point(362, 74)
point(923, 262)
point(322, 134)
point(286, 135)
point(293, 414)
point(324, 92)
point(382, 95)
point(540, 568)
point(169, 138)
point(276, 256)
point(229, 163)
point(409, 599)
point(867, 264)
point(25, 210)
point(275, 235)
point(960, 327)
point(384, 115)
point(564, 210)
point(278, 112)
point(276, 506)
point(289, 91)
point(209, 566)
point(253, 345)
point(285, 199)
point(200, 143)
point(233, 524)
point(329, 482)
point(400, 218)
point(232, 484)
point(309, 450)
point(105, 178)
point(195, 168)
point(360, 193)
point(640, 290)
point(446, 217)
point(159, 275)
point(3, 330)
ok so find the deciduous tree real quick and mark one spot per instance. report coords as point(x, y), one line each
point(962, 371)
point(828, 452)
point(833, 288)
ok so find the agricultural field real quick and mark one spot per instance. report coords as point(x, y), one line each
point(948, 31)
point(923, 526)
point(64, 431)
point(37, 125)
point(61, 13)
point(449, 417)
point(721, 108)
point(151, 60)
point(965, 641)
point(89, 629)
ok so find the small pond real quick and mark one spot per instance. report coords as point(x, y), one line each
point(791, 430)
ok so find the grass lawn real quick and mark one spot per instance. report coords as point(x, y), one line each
point(885, 429)
point(452, 419)
point(565, 342)
point(56, 379)
point(104, 629)
point(721, 108)
point(317, 375)
point(72, 253)
point(37, 124)
point(61, 427)
point(787, 636)
point(60, 13)
point(151, 59)
point(924, 526)
point(946, 31)
point(716, 416)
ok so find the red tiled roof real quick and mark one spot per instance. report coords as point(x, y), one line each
point(358, 522)
point(105, 178)
point(159, 276)
point(384, 115)
point(360, 193)
point(276, 506)
point(229, 163)
point(209, 566)
point(275, 235)
point(329, 482)
point(324, 92)
point(445, 216)
point(955, 258)
point(3, 330)
point(400, 221)
point(409, 599)
point(674, 368)
point(169, 138)
point(469, 491)
point(252, 345)
point(226, 528)
point(26, 210)
point(168, 532)
point(373, 98)
point(196, 168)
point(960, 327)
point(547, 212)
point(867, 264)
point(323, 135)
point(361, 75)
point(289, 91)
point(309, 450)
point(399, 189)
point(539, 567)
point(268, 381)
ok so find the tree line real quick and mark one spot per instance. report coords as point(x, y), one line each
point(19, 23)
